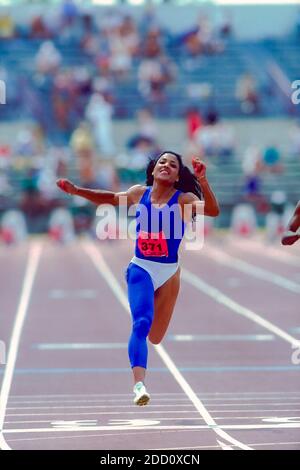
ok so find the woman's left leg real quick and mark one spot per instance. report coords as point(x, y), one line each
point(141, 300)
point(164, 302)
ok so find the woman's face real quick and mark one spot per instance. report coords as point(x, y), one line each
point(166, 169)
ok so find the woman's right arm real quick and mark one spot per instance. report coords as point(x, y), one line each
point(99, 196)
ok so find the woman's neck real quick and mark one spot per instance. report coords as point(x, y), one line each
point(161, 193)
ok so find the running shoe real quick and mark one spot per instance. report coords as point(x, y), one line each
point(141, 396)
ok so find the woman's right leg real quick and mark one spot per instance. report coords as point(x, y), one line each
point(141, 301)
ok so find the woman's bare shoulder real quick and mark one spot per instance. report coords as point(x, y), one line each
point(186, 198)
point(135, 192)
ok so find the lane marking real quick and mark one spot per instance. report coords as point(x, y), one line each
point(269, 251)
point(224, 446)
point(77, 346)
point(105, 272)
point(88, 413)
point(147, 433)
point(33, 260)
point(250, 368)
point(223, 299)
point(251, 270)
point(195, 418)
point(212, 447)
point(116, 406)
point(58, 294)
point(283, 392)
point(220, 337)
point(237, 427)
point(153, 399)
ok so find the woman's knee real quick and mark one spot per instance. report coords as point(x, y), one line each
point(155, 338)
point(141, 327)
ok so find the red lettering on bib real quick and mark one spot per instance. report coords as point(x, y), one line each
point(153, 244)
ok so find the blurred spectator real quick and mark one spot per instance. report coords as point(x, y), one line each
point(252, 161)
point(33, 203)
point(63, 99)
point(99, 113)
point(215, 139)
point(5, 186)
point(225, 24)
point(48, 58)
point(226, 142)
point(39, 29)
point(7, 26)
point(153, 76)
point(83, 147)
point(247, 94)
point(55, 163)
point(5, 156)
point(252, 169)
point(207, 139)
point(120, 56)
point(152, 43)
point(200, 39)
point(271, 160)
point(69, 11)
point(129, 34)
point(25, 145)
point(194, 122)
point(147, 126)
point(106, 176)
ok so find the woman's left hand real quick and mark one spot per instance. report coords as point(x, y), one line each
point(199, 168)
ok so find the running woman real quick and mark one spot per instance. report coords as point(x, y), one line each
point(153, 275)
point(293, 230)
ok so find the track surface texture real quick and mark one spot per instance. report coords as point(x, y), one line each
point(223, 377)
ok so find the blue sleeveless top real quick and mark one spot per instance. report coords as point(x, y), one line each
point(159, 230)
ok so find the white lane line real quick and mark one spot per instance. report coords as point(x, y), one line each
point(224, 446)
point(220, 338)
point(156, 427)
point(115, 406)
point(195, 418)
point(106, 434)
point(108, 276)
point(223, 299)
point(155, 394)
point(216, 447)
point(88, 436)
point(243, 266)
point(77, 346)
point(161, 412)
point(276, 254)
point(156, 405)
point(33, 260)
point(154, 399)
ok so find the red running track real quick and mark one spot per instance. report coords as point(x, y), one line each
point(222, 378)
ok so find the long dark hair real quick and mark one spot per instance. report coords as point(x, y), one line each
point(187, 181)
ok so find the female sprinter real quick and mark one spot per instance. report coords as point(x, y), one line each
point(293, 230)
point(153, 275)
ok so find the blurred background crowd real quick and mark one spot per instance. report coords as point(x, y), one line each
point(93, 92)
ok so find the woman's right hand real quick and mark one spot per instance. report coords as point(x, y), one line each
point(67, 186)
